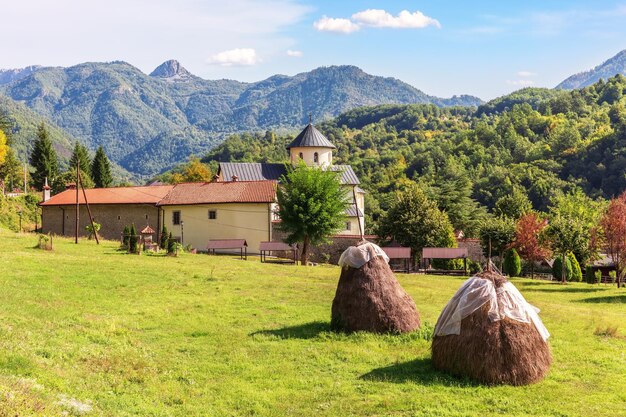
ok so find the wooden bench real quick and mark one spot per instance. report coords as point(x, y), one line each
point(223, 244)
point(266, 248)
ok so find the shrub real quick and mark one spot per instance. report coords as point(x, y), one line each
point(557, 268)
point(598, 275)
point(474, 267)
point(133, 240)
point(612, 276)
point(126, 236)
point(590, 275)
point(512, 263)
point(164, 238)
point(577, 273)
point(171, 245)
point(93, 230)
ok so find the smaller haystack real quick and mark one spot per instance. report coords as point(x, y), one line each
point(368, 297)
point(489, 333)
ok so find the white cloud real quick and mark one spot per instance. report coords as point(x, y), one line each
point(521, 83)
point(338, 25)
point(404, 20)
point(526, 74)
point(295, 54)
point(235, 57)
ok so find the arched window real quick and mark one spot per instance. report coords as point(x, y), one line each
point(301, 156)
point(316, 158)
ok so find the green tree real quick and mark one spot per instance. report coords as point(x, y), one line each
point(11, 170)
point(101, 170)
point(513, 205)
point(80, 156)
point(497, 234)
point(126, 236)
point(171, 245)
point(565, 235)
point(68, 177)
point(512, 263)
point(577, 273)
point(133, 239)
point(561, 271)
point(311, 206)
point(415, 221)
point(43, 158)
point(164, 238)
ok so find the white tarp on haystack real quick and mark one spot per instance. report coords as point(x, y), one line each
point(357, 256)
point(505, 301)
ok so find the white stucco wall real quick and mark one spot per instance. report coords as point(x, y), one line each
point(325, 155)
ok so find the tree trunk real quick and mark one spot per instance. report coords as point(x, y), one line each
point(304, 256)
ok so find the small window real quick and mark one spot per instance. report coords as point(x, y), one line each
point(348, 225)
point(119, 217)
point(301, 156)
point(212, 214)
point(176, 217)
point(316, 158)
point(146, 217)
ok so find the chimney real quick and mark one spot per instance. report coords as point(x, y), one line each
point(46, 191)
point(235, 178)
point(70, 186)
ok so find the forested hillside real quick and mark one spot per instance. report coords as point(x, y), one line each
point(533, 145)
point(148, 123)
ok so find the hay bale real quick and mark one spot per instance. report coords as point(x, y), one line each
point(370, 299)
point(501, 351)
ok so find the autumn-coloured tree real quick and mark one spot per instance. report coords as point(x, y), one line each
point(614, 225)
point(528, 240)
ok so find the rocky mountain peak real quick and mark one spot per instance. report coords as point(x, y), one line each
point(171, 70)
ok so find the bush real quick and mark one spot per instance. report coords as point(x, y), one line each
point(512, 263)
point(171, 245)
point(474, 267)
point(164, 238)
point(590, 275)
point(557, 268)
point(93, 230)
point(133, 239)
point(577, 273)
point(126, 236)
point(612, 276)
point(598, 275)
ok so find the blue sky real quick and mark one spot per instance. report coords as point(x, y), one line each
point(486, 48)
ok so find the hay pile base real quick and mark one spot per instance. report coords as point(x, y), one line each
point(500, 352)
point(371, 299)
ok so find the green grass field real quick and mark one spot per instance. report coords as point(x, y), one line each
point(87, 329)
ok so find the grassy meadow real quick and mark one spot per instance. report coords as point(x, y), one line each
point(87, 330)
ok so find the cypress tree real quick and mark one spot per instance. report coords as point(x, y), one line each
point(101, 169)
point(164, 238)
point(577, 273)
point(80, 156)
point(512, 263)
point(126, 236)
point(43, 158)
point(132, 241)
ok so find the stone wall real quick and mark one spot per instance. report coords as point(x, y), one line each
point(475, 251)
point(60, 220)
point(330, 252)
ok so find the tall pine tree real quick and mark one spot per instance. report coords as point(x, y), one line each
point(80, 155)
point(101, 170)
point(43, 158)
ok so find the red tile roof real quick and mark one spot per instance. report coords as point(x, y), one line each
point(221, 192)
point(118, 195)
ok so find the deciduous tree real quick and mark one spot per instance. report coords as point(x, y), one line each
point(311, 206)
point(614, 226)
point(528, 242)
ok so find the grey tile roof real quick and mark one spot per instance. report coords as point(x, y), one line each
point(311, 137)
point(251, 171)
point(254, 171)
point(352, 212)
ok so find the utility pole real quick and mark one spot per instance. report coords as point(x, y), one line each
point(77, 205)
point(182, 234)
point(93, 227)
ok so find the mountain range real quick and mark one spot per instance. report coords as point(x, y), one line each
point(609, 68)
point(149, 123)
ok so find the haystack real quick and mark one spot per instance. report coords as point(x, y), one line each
point(489, 333)
point(368, 297)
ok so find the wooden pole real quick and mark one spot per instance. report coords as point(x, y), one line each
point(358, 215)
point(77, 206)
point(93, 228)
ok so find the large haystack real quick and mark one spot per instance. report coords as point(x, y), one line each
point(489, 333)
point(368, 297)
